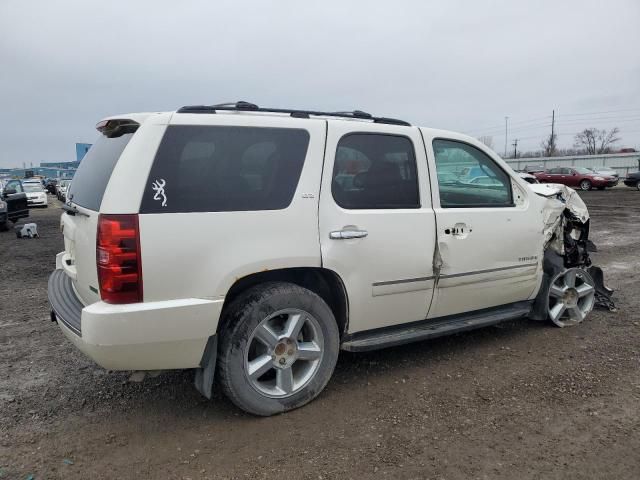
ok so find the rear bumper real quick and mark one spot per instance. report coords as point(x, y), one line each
point(139, 336)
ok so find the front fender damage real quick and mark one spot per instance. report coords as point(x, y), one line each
point(566, 243)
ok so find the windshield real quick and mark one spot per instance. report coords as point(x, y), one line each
point(32, 187)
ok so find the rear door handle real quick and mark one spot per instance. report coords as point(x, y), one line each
point(347, 234)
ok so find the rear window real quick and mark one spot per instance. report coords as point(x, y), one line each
point(222, 169)
point(90, 181)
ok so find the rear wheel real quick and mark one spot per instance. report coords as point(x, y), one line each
point(279, 346)
point(638, 185)
point(585, 185)
point(4, 227)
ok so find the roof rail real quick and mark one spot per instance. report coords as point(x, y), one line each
point(252, 107)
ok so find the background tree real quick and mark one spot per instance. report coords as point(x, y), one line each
point(549, 148)
point(487, 140)
point(596, 141)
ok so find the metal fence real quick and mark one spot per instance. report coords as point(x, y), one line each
point(623, 163)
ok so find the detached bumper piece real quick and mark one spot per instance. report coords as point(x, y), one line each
point(65, 304)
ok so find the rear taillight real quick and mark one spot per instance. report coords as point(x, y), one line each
point(118, 259)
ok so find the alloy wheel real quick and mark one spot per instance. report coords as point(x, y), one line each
point(571, 297)
point(284, 353)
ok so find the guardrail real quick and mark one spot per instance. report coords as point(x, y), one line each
point(623, 163)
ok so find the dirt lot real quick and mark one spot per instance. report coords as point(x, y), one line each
point(521, 400)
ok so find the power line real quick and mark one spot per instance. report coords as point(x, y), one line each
point(599, 113)
point(522, 123)
point(601, 119)
point(499, 127)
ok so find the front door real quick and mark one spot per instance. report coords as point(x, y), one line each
point(489, 235)
point(377, 227)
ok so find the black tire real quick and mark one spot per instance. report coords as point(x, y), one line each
point(242, 317)
point(4, 227)
point(585, 185)
point(638, 185)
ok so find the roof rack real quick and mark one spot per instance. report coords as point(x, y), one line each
point(252, 107)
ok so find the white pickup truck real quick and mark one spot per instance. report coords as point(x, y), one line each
point(252, 244)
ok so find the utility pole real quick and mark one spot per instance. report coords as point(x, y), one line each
point(515, 148)
point(506, 129)
point(552, 143)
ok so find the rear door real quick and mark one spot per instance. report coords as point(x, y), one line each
point(377, 227)
point(489, 236)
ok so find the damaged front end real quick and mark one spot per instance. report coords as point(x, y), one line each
point(571, 285)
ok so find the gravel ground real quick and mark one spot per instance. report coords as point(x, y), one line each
point(520, 400)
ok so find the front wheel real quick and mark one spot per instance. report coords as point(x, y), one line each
point(638, 185)
point(279, 346)
point(585, 185)
point(571, 297)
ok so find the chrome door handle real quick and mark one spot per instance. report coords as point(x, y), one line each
point(347, 234)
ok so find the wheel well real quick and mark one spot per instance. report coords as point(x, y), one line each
point(323, 282)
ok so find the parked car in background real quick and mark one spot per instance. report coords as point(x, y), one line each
point(606, 171)
point(13, 203)
point(486, 181)
point(533, 168)
point(36, 194)
point(50, 185)
point(253, 247)
point(61, 190)
point(633, 180)
point(527, 177)
point(579, 177)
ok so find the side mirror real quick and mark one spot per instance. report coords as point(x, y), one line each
point(574, 173)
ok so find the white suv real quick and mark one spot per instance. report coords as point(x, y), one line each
point(255, 243)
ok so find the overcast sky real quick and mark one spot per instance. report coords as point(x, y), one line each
point(460, 65)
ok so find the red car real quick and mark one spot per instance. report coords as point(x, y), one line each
point(577, 177)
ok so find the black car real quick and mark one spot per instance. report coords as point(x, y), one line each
point(633, 180)
point(50, 185)
point(13, 204)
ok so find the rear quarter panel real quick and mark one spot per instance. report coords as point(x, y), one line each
point(201, 255)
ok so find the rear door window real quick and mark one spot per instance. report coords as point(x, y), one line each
point(223, 169)
point(375, 171)
point(90, 181)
